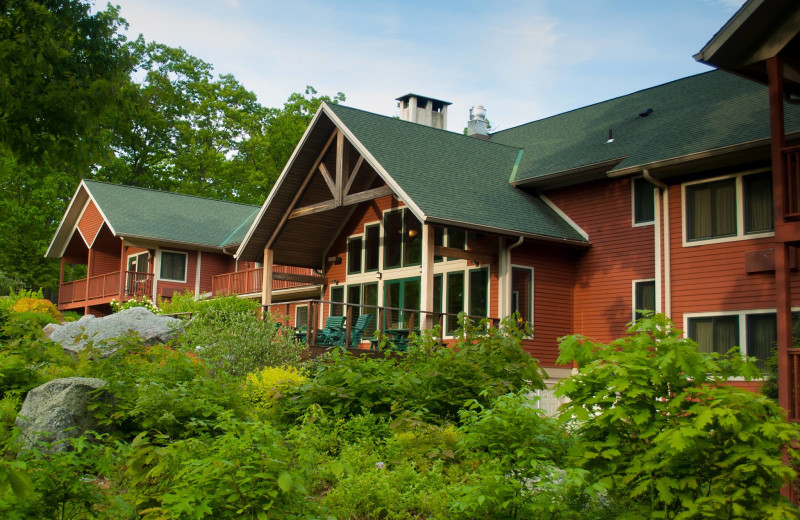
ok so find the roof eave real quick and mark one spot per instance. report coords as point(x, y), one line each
point(507, 232)
point(569, 177)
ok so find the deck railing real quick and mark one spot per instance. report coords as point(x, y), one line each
point(393, 324)
point(138, 284)
point(794, 377)
point(92, 288)
point(791, 164)
point(250, 281)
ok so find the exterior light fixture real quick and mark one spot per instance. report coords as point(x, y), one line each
point(378, 275)
point(335, 282)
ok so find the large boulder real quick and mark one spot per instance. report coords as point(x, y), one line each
point(58, 410)
point(102, 332)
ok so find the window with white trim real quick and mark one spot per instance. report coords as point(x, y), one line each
point(644, 202)
point(301, 316)
point(173, 266)
point(728, 208)
point(644, 297)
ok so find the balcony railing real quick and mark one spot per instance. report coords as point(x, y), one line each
point(791, 164)
point(250, 281)
point(138, 284)
point(92, 288)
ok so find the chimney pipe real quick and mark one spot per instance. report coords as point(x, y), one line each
point(477, 125)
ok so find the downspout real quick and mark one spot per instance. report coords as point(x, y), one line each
point(663, 202)
point(507, 282)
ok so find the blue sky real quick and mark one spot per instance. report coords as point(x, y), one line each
point(522, 60)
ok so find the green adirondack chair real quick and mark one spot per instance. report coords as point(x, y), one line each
point(357, 332)
point(332, 332)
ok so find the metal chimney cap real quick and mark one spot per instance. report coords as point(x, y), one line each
point(477, 113)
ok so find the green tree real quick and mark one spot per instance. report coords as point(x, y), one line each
point(60, 66)
point(659, 431)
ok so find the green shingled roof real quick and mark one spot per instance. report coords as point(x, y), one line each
point(171, 216)
point(695, 114)
point(453, 177)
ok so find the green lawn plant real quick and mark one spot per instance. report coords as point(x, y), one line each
point(658, 431)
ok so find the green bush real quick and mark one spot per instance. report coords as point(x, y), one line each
point(180, 302)
point(430, 380)
point(133, 302)
point(658, 431)
point(228, 333)
point(157, 388)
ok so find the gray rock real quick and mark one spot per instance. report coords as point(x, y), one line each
point(57, 411)
point(102, 332)
point(49, 329)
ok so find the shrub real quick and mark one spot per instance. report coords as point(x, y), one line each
point(160, 389)
point(180, 302)
point(144, 302)
point(262, 388)
point(38, 305)
point(228, 333)
point(656, 427)
point(431, 381)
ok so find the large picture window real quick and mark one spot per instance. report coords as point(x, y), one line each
point(402, 239)
point(354, 255)
point(173, 266)
point(372, 244)
point(479, 292)
point(728, 208)
point(715, 334)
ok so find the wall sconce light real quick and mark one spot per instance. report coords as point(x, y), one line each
point(378, 275)
point(335, 260)
point(420, 269)
point(335, 282)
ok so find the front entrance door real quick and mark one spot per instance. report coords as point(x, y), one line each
point(401, 294)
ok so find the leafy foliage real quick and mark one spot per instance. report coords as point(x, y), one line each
point(264, 387)
point(228, 333)
point(133, 302)
point(37, 305)
point(656, 427)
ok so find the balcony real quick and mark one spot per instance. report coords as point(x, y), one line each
point(250, 281)
point(96, 290)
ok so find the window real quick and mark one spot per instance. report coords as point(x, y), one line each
point(354, 255)
point(301, 316)
point(522, 292)
point(372, 239)
point(644, 205)
point(402, 239)
point(728, 208)
point(455, 299)
point(438, 240)
point(173, 266)
point(457, 239)
point(479, 292)
point(762, 334)
point(354, 296)
point(644, 297)
point(758, 203)
point(392, 239)
point(337, 296)
point(716, 333)
point(437, 292)
point(138, 263)
point(369, 298)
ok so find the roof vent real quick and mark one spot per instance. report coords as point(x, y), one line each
point(477, 125)
point(646, 112)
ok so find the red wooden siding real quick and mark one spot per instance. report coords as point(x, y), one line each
point(213, 264)
point(552, 297)
point(620, 253)
point(90, 222)
point(712, 277)
point(105, 253)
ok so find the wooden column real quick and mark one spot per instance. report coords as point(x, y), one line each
point(783, 296)
point(266, 286)
point(426, 285)
point(123, 268)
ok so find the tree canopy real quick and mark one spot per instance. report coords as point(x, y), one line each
point(78, 100)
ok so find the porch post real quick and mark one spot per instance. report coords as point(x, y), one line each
point(783, 298)
point(123, 270)
point(266, 285)
point(61, 275)
point(426, 285)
